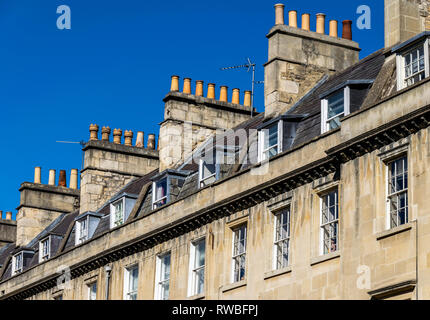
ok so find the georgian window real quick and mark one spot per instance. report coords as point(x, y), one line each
point(239, 253)
point(412, 63)
point(131, 283)
point(330, 222)
point(44, 249)
point(270, 141)
point(85, 226)
point(397, 198)
point(197, 268)
point(333, 108)
point(92, 291)
point(282, 239)
point(208, 173)
point(160, 194)
point(162, 285)
point(118, 213)
point(82, 230)
point(18, 263)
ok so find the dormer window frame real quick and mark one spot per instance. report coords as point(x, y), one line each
point(263, 149)
point(165, 198)
point(18, 263)
point(113, 210)
point(403, 53)
point(325, 104)
point(202, 179)
point(85, 233)
point(45, 254)
point(82, 231)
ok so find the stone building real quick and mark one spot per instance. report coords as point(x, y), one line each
point(324, 195)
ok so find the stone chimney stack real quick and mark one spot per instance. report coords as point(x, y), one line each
point(405, 19)
point(299, 57)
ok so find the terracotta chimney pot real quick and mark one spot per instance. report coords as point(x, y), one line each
point(140, 139)
point(128, 138)
point(292, 18)
point(151, 141)
point(8, 215)
point(37, 175)
point(247, 99)
point(211, 91)
point(235, 98)
point(117, 133)
point(321, 23)
point(74, 179)
point(106, 133)
point(94, 130)
point(347, 29)
point(223, 95)
point(175, 83)
point(62, 180)
point(199, 88)
point(51, 180)
point(306, 21)
point(187, 86)
point(333, 28)
point(279, 13)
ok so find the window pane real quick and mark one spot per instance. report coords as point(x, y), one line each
point(335, 104)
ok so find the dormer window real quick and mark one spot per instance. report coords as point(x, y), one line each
point(85, 226)
point(270, 141)
point(333, 108)
point(18, 263)
point(412, 61)
point(160, 197)
point(208, 173)
point(44, 249)
point(120, 208)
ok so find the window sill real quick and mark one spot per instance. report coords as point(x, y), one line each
point(277, 273)
point(392, 232)
point(324, 258)
point(233, 286)
point(197, 297)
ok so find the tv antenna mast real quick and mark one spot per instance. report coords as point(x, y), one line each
point(82, 143)
point(250, 66)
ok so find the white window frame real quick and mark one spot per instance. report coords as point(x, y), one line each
point(160, 281)
point(128, 272)
point(236, 260)
point(261, 139)
point(194, 270)
point(113, 213)
point(329, 222)
point(203, 179)
point(42, 255)
point(81, 238)
point(400, 62)
point(90, 290)
point(325, 121)
point(18, 269)
point(277, 241)
point(154, 191)
point(390, 195)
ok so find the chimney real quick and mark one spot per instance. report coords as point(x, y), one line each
point(292, 18)
point(140, 139)
point(279, 14)
point(175, 83)
point(187, 86)
point(211, 91)
point(235, 98)
point(128, 138)
point(105, 133)
point(306, 21)
point(37, 175)
point(51, 180)
point(151, 142)
point(223, 94)
point(8, 215)
point(347, 29)
point(1, 214)
point(62, 181)
point(94, 130)
point(299, 58)
point(74, 179)
point(321, 23)
point(199, 88)
point(247, 99)
point(333, 29)
point(117, 133)
point(404, 19)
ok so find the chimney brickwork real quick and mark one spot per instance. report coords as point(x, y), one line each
point(298, 58)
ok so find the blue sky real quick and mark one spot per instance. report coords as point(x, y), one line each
point(113, 67)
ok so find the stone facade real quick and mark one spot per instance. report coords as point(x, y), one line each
point(7, 232)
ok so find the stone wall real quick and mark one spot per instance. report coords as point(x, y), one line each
point(7, 232)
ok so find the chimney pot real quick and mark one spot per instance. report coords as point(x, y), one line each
point(247, 99)
point(187, 86)
point(211, 91)
point(62, 180)
point(94, 130)
point(37, 175)
point(8, 215)
point(333, 28)
point(106, 133)
point(117, 133)
point(128, 138)
point(279, 13)
point(74, 179)
point(151, 141)
point(347, 29)
point(199, 88)
point(321, 23)
point(51, 180)
point(1, 214)
point(292, 18)
point(306, 21)
point(175, 83)
point(235, 98)
point(223, 95)
point(140, 139)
